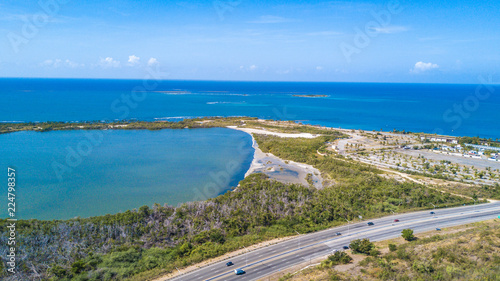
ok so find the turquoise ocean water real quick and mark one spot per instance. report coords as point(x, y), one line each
point(64, 174)
point(134, 168)
point(453, 109)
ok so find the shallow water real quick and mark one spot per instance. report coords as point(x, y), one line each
point(64, 174)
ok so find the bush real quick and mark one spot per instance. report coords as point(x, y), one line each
point(374, 252)
point(340, 258)
point(392, 247)
point(407, 234)
point(363, 246)
point(58, 271)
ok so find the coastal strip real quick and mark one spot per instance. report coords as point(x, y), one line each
point(276, 168)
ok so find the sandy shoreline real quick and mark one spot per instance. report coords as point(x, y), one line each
point(282, 170)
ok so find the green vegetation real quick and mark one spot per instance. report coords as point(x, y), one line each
point(474, 191)
point(291, 127)
point(479, 141)
point(392, 247)
point(337, 258)
point(472, 253)
point(145, 243)
point(362, 246)
point(207, 122)
point(407, 234)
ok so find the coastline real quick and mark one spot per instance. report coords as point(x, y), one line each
point(282, 170)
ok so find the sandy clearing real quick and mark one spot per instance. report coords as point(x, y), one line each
point(276, 168)
point(282, 135)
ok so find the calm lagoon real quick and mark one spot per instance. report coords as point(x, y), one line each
point(65, 174)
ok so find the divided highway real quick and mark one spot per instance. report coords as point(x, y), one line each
point(268, 260)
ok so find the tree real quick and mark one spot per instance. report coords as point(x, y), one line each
point(363, 246)
point(407, 234)
point(337, 258)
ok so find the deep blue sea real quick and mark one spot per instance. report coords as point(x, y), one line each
point(453, 109)
point(129, 169)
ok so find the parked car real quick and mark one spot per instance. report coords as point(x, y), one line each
point(433, 213)
point(396, 220)
point(370, 223)
point(239, 271)
point(338, 233)
point(229, 263)
point(345, 247)
point(438, 229)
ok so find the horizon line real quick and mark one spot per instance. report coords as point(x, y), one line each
point(251, 81)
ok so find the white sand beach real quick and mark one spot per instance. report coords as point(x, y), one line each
point(281, 170)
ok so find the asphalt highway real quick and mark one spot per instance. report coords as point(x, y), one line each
point(265, 261)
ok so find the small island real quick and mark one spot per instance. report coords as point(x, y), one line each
point(310, 96)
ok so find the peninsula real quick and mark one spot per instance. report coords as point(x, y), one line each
point(303, 178)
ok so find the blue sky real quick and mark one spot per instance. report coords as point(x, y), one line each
point(360, 41)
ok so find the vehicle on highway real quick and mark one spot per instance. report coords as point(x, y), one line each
point(370, 223)
point(338, 233)
point(345, 247)
point(396, 220)
point(229, 263)
point(433, 213)
point(239, 271)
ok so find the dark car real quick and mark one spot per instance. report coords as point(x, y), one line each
point(345, 247)
point(239, 271)
point(396, 220)
point(432, 213)
point(229, 263)
point(370, 223)
point(438, 229)
point(338, 233)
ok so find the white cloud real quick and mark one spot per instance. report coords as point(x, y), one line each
point(108, 62)
point(319, 68)
point(153, 61)
point(60, 63)
point(71, 64)
point(390, 29)
point(51, 63)
point(271, 19)
point(249, 68)
point(133, 60)
point(423, 66)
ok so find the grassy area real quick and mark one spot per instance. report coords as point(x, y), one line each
point(474, 191)
point(470, 252)
point(292, 128)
